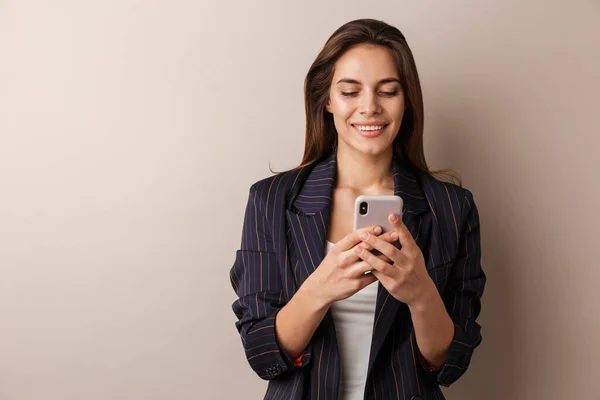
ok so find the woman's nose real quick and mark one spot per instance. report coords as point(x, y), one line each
point(369, 104)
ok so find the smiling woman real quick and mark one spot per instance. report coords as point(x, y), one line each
point(311, 321)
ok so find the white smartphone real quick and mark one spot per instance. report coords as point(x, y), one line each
point(375, 210)
point(370, 210)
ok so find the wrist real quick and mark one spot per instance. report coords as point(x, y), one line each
point(315, 296)
point(428, 297)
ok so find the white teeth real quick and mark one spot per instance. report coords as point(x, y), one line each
point(368, 128)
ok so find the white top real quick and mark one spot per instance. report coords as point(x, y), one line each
point(353, 318)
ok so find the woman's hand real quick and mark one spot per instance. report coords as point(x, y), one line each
point(342, 273)
point(404, 275)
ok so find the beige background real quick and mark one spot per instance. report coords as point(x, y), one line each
point(132, 130)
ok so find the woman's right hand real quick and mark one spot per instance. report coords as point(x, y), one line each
point(342, 273)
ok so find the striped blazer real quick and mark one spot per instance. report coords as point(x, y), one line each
point(283, 241)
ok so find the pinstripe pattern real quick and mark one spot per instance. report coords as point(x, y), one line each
point(283, 241)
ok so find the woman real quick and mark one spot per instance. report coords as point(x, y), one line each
point(311, 321)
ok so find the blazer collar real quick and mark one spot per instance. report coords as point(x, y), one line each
point(316, 193)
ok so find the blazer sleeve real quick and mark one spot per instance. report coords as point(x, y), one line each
point(257, 283)
point(462, 297)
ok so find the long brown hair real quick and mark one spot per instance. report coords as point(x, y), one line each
point(321, 136)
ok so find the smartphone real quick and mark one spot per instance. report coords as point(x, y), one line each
point(375, 210)
point(370, 210)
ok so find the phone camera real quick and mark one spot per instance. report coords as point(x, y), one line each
point(363, 208)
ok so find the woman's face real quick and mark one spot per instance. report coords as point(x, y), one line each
point(366, 99)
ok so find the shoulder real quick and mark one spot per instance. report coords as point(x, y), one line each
point(447, 198)
point(274, 190)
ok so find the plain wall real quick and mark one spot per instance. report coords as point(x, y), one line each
point(131, 131)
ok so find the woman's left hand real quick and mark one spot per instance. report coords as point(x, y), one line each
point(405, 277)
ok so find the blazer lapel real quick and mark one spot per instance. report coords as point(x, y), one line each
point(418, 221)
point(308, 219)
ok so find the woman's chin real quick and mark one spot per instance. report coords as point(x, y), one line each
point(372, 149)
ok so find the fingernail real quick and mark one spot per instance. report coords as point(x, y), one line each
point(377, 230)
point(394, 218)
point(358, 250)
point(393, 236)
point(364, 236)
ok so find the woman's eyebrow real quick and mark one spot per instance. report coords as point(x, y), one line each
point(354, 81)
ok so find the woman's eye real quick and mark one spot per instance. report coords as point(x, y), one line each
point(387, 94)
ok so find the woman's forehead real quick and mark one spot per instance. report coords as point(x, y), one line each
point(366, 65)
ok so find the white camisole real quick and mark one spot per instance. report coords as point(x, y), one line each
point(353, 318)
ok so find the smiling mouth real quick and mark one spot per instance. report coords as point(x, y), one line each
point(370, 127)
point(370, 130)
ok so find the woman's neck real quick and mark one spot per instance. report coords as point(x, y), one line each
point(364, 174)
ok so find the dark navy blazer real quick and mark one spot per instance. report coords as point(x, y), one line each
point(283, 241)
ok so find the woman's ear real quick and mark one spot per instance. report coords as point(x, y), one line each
point(328, 106)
